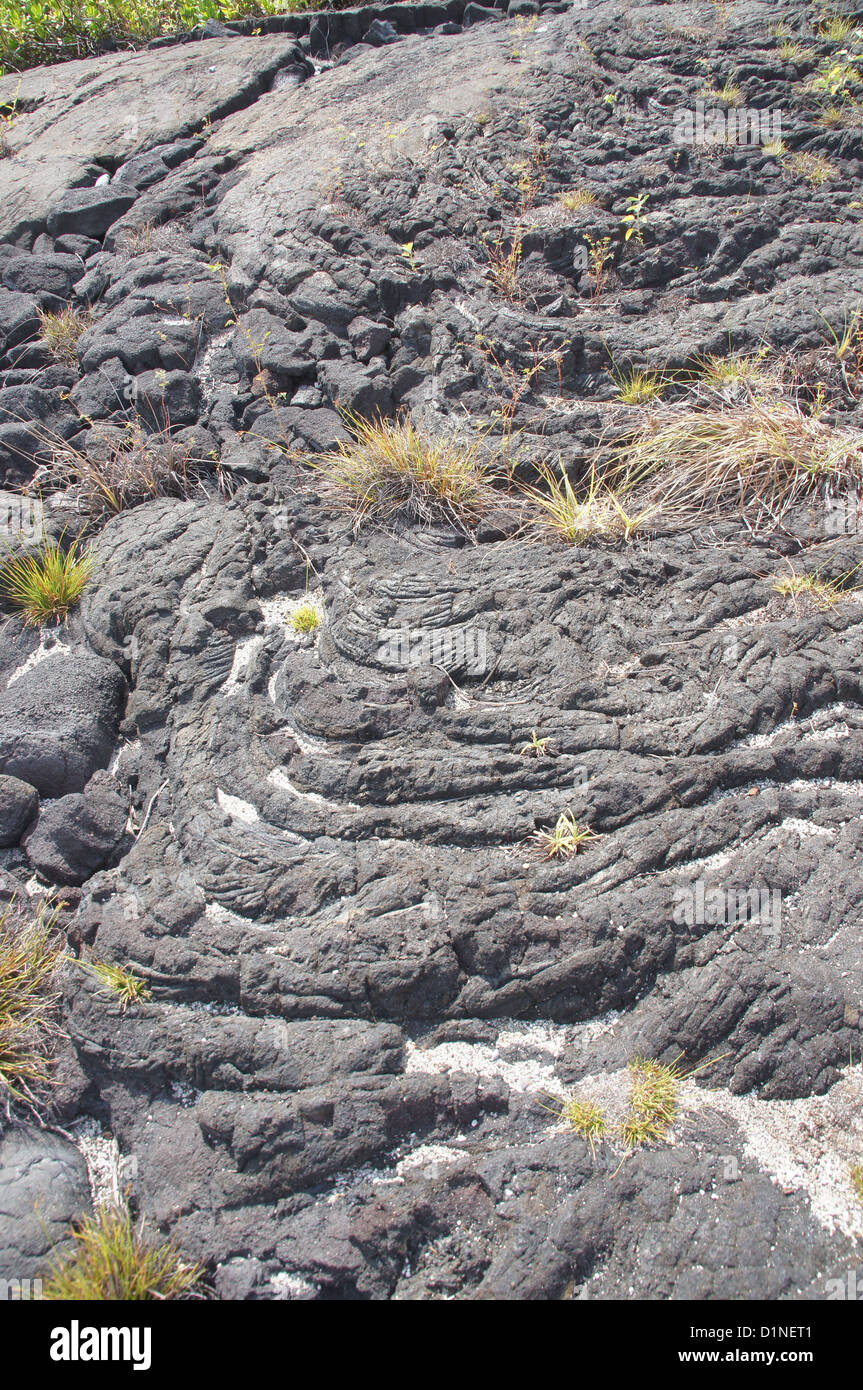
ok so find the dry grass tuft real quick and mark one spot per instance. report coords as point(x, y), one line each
point(31, 954)
point(814, 168)
point(124, 472)
point(577, 199)
point(392, 471)
point(594, 513)
point(822, 594)
point(756, 459)
point(60, 333)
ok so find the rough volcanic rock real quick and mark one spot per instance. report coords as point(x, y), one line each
point(88, 211)
point(43, 1186)
point(367, 984)
point(79, 833)
point(19, 803)
point(59, 720)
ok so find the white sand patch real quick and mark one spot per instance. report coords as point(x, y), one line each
point(108, 1172)
point(708, 864)
point(243, 656)
point(547, 1041)
point(829, 723)
point(312, 747)
point(430, 1160)
point(291, 1286)
point(806, 1145)
point(223, 916)
point(124, 750)
point(804, 828)
point(481, 1059)
point(209, 381)
point(279, 778)
point(824, 724)
point(236, 808)
point(49, 645)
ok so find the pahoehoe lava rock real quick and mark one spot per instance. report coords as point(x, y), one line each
point(364, 979)
point(19, 803)
point(43, 1187)
point(58, 721)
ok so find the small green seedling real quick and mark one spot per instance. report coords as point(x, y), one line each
point(566, 839)
point(635, 218)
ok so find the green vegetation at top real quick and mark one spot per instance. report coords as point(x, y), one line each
point(50, 31)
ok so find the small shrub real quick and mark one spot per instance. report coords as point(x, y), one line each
point(634, 220)
point(836, 77)
point(857, 1179)
point(504, 262)
point(390, 469)
point(60, 333)
point(31, 953)
point(49, 31)
point(566, 839)
point(44, 584)
point(111, 1261)
point(536, 748)
point(599, 257)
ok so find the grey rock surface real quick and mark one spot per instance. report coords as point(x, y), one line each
point(58, 721)
point(79, 833)
point(19, 803)
point(365, 980)
point(43, 1186)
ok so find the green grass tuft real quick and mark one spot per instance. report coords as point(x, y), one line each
point(120, 982)
point(306, 618)
point(113, 1262)
point(391, 470)
point(652, 1101)
point(585, 1117)
point(44, 584)
point(638, 385)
